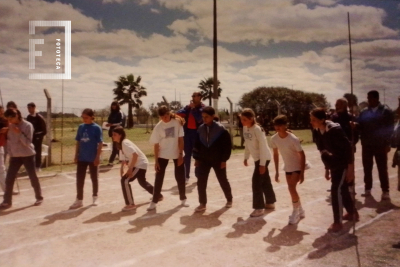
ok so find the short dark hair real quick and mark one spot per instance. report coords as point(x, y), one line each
point(373, 94)
point(11, 104)
point(89, 112)
point(31, 104)
point(12, 113)
point(209, 110)
point(280, 120)
point(319, 113)
point(163, 110)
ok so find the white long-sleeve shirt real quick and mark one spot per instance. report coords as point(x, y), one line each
point(256, 144)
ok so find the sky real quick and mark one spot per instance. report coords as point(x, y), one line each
point(298, 44)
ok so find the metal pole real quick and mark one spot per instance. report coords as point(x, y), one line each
point(231, 119)
point(215, 86)
point(49, 124)
point(62, 119)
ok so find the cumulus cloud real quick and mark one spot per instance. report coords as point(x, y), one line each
point(319, 2)
point(154, 10)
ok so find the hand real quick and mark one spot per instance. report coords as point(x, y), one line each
point(223, 165)
point(191, 105)
point(245, 162)
point(196, 163)
point(327, 176)
point(301, 178)
point(16, 130)
point(353, 124)
point(180, 160)
point(129, 173)
point(157, 166)
point(261, 169)
point(277, 177)
point(387, 149)
point(96, 162)
point(3, 130)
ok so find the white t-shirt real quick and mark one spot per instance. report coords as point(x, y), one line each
point(128, 149)
point(256, 144)
point(167, 135)
point(289, 147)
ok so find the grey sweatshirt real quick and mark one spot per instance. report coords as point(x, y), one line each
point(20, 144)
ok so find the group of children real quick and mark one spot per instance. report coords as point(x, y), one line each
point(212, 149)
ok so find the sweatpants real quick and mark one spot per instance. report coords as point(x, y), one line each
point(2, 170)
point(340, 195)
point(13, 168)
point(114, 152)
point(368, 153)
point(140, 174)
point(37, 143)
point(80, 178)
point(262, 187)
point(202, 172)
point(189, 140)
point(179, 177)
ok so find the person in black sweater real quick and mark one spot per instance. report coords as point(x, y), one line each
point(40, 130)
point(114, 120)
point(212, 149)
point(338, 159)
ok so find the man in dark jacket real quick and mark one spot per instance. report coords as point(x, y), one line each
point(375, 124)
point(212, 149)
point(192, 115)
point(40, 130)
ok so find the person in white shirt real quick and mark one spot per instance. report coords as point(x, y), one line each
point(256, 146)
point(167, 138)
point(294, 161)
point(137, 163)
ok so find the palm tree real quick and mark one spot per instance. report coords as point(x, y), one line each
point(129, 91)
point(206, 85)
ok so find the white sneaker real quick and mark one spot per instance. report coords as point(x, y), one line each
point(184, 204)
point(385, 196)
point(77, 204)
point(295, 217)
point(257, 213)
point(95, 201)
point(186, 180)
point(302, 212)
point(152, 206)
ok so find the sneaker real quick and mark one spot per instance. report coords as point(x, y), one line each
point(95, 201)
point(200, 208)
point(110, 164)
point(38, 202)
point(152, 206)
point(270, 206)
point(228, 204)
point(184, 204)
point(4, 206)
point(77, 204)
point(367, 193)
point(186, 180)
point(351, 216)
point(257, 213)
point(385, 196)
point(129, 207)
point(302, 212)
point(161, 198)
point(335, 227)
point(295, 217)
point(14, 193)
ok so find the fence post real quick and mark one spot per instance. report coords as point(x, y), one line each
point(49, 125)
point(231, 119)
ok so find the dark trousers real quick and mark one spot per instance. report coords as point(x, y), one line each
point(368, 153)
point(262, 187)
point(340, 195)
point(114, 153)
point(80, 178)
point(140, 174)
point(15, 165)
point(202, 172)
point(189, 140)
point(179, 177)
point(37, 143)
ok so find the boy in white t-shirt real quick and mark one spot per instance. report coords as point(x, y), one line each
point(167, 138)
point(294, 161)
point(137, 163)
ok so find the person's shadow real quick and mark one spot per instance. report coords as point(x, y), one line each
point(150, 219)
point(328, 243)
point(380, 207)
point(199, 220)
point(112, 217)
point(248, 226)
point(6, 212)
point(64, 215)
point(175, 192)
point(288, 236)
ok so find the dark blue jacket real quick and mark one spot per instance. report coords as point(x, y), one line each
point(196, 112)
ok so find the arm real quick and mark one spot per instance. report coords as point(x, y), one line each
point(131, 165)
point(97, 159)
point(76, 151)
point(180, 146)
point(276, 162)
point(227, 147)
point(26, 135)
point(302, 165)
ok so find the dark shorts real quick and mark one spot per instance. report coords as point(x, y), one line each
point(290, 173)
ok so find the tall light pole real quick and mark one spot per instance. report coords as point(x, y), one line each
point(215, 86)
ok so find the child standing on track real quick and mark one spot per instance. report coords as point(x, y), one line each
point(137, 163)
point(89, 141)
point(256, 146)
point(294, 159)
point(167, 138)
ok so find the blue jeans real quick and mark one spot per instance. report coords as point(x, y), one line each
point(189, 140)
point(15, 165)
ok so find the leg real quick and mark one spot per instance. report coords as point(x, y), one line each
point(29, 164)
point(381, 163)
point(189, 139)
point(367, 161)
point(202, 171)
point(337, 178)
point(347, 198)
point(94, 175)
point(2, 170)
point(141, 176)
point(37, 143)
point(13, 168)
point(159, 179)
point(127, 190)
point(267, 186)
point(223, 180)
point(80, 178)
point(114, 153)
point(257, 186)
point(180, 179)
point(292, 181)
